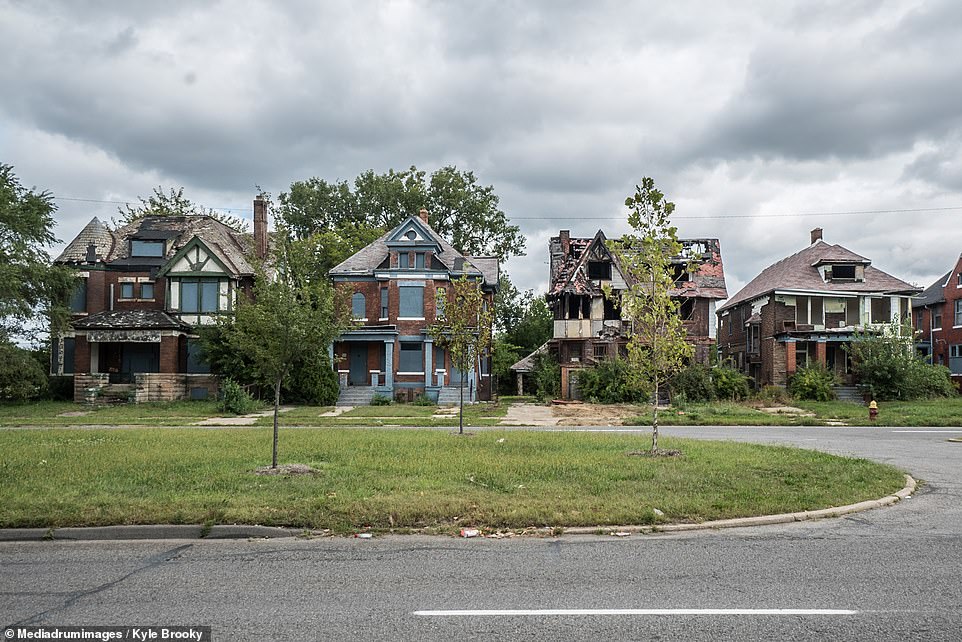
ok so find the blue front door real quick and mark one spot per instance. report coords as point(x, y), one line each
point(358, 376)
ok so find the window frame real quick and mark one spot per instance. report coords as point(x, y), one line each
point(958, 313)
point(410, 347)
point(358, 297)
point(137, 247)
point(147, 296)
point(126, 290)
point(385, 301)
point(406, 307)
point(199, 282)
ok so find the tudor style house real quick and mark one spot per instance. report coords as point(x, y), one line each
point(937, 317)
point(393, 285)
point(588, 325)
point(144, 288)
point(805, 309)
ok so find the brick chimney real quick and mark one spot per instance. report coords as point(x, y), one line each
point(816, 235)
point(260, 228)
point(565, 237)
point(424, 215)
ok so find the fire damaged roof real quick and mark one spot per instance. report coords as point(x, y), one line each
point(570, 258)
point(112, 247)
point(130, 320)
point(800, 272)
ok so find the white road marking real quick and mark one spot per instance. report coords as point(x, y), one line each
point(938, 431)
point(512, 612)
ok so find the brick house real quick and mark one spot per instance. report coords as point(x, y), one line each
point(937, 316)
point(144, 288)
point(393, 284)
point(805, 309)
point(588, 326)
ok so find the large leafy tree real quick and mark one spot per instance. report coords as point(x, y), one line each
point(657, 346)
point(523, 323)
point(284, 323)
point(174, 203)
point(463, 328)
point(33, 292)
point(345, 215)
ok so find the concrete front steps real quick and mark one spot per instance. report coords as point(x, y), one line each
point(451, 396)
point(355, 396)
point(848, 393)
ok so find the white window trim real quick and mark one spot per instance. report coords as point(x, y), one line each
point(410, 318)
point(420, 374)
point(382, 318)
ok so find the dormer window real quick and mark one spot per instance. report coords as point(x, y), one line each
point(146, 248)
point(411, 235)
point(843, 272)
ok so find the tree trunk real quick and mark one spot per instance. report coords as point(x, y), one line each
point(461, 412)
point(277, 403)
point(654, 422)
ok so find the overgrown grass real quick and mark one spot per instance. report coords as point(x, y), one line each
point(408, 479)
point(47, 413)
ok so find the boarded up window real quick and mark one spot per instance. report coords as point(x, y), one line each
point(801, 310)
point(817, 316)
point(411, 302)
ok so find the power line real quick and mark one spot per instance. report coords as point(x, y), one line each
point(734, 216)
point(94, 200)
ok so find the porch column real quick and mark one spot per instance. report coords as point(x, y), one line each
point(389, 364)
point(520, 384)
point(330, 354)
point(789, 358)
point(895, 309)
point(820, 351)
point(428, 360)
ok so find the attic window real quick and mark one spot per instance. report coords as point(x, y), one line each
point(411, 235)
point(146, 248)
point(599, 270)
point(843, 272)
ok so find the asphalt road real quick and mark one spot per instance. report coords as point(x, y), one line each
point(889, 574)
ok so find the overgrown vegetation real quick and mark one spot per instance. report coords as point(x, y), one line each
point(382, 480)
point(609, 381)
point(693, 383)
point(888, 366)
point(813, 383)
point(235, 399)
point(731, 384)
point(546, 376)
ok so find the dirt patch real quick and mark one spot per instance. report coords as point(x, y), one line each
point(786, 410)
point(286, 469)
point(575, 414)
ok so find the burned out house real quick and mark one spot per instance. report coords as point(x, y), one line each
point(587, 324)
point(393, 285)
point(144, 290)
point(805, 309)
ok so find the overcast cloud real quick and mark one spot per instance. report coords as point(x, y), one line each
point(736, 111)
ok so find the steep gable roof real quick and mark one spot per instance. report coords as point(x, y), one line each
point(933, 294)
point(799, 272)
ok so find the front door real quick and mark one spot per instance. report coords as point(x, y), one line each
point(358, 376)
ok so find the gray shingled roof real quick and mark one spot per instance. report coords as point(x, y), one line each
point(366, 261)
point(94, 233)
point(798, 272)
point(935, 293)
point(527, 364)
point(130, 319)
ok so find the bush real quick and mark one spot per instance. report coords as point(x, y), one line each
point(312, 381)
point(235, 399)
point(21, 377)
point(546, 376)
point(380, 400)
point(692, 384)
point(813, 383)
point(924, 381)
point(610, 382)
point(423, 400)
point(730, 384)
point(773, 396)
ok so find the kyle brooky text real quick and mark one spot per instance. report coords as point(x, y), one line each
point(137, 633)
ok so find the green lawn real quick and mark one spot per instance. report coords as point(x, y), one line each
point(48, 413)
point(430, 480)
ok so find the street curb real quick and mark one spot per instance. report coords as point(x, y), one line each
point(151, 531)
point(762, 520)
point(240, 531)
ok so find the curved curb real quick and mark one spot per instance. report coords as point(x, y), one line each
point(238, 531)
point(762, 520)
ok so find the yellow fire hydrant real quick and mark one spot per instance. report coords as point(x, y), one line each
point(872, 410)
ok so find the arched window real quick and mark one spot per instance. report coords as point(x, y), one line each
point(358, 306)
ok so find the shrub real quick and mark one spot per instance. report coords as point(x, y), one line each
point(692, 384)
point(773, 396)
point(610, 382)
point(312, 381)
point(235, 399)
point(813, 383)
point(924, 381)
point(731, 384)
point(21, 375)
point(380, 400)
point(546, 376)
point(423, 400)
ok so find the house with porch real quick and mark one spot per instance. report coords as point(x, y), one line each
point(588, 325)
point(937, 318)
point(393, 285)
point(805, 309)
point(144, 289)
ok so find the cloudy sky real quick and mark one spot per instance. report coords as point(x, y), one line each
point(759, 123)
